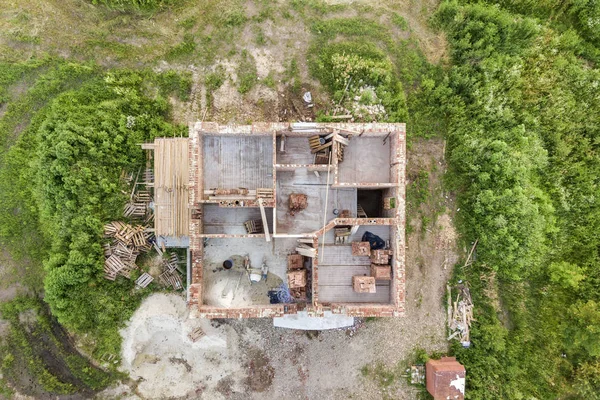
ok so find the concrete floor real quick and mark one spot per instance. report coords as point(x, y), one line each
point(336, 269)
point(231, 162)
point(310, 219)
point(297, 151)
point(231, 220)
point(216, 280)
point(366, 160)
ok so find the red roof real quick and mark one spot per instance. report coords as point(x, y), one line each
point(445, 379)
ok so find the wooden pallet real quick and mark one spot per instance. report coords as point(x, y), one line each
point(264, 193)
point(254, 226)
point(144, 280)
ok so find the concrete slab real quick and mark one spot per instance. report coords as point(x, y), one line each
point(366, 160)
point(232, 162)
point(310, 219)
point(302, 321)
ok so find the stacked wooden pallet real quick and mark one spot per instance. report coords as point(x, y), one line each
point(121, 253)
point(171, 279)
point(138, 206)
point(170, 276)
point(144, 280)
point(264, 193)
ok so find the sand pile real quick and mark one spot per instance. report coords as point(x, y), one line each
point(159, 355)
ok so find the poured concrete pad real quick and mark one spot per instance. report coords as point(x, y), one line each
point(304, 322)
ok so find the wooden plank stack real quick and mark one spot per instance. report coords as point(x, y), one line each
point(460, 315)
point(254, 226)
point(341, 234)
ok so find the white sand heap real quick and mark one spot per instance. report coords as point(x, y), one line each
point(158, 353)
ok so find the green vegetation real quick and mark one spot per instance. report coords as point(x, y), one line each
point(65, 143)
point(360, 66)
point(517, 100)
point(246, 72)
point(417, 193)
point(38, 346)
point(520, 105)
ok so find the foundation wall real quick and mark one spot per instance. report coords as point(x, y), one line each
point(394, 218)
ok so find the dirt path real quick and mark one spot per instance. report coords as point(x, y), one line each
point(241, 359)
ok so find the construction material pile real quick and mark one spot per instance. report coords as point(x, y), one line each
point(127, 242)
point(460, 314)
point(170, 276)
point(321, 146)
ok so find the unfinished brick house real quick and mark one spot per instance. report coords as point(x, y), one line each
point(282, 218)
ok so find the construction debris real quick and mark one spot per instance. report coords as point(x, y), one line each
point(297, 278)
point(196, 334)
point(381, 256)
point(381, 272)
point(417, 374)
point(297, 202)
point(295, 261)
point(170, 276)
point(460, 315)
point(363, 284)
point(361, 249)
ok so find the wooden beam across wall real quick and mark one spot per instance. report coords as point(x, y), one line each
point(263, 214)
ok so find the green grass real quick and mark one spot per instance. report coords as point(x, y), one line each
point(246, 72)
point(183, 49)
point(399, 21)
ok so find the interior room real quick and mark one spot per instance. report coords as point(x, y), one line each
point(371, 202)
point(337, 267)
point(363, 161)
point(296, 150)
point(309, 219)
point(232, 162)
point(235, 220)
point(239, 286)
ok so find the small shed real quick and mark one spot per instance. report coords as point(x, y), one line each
point(445, 379)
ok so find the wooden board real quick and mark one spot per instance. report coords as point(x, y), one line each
point(171, 180)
